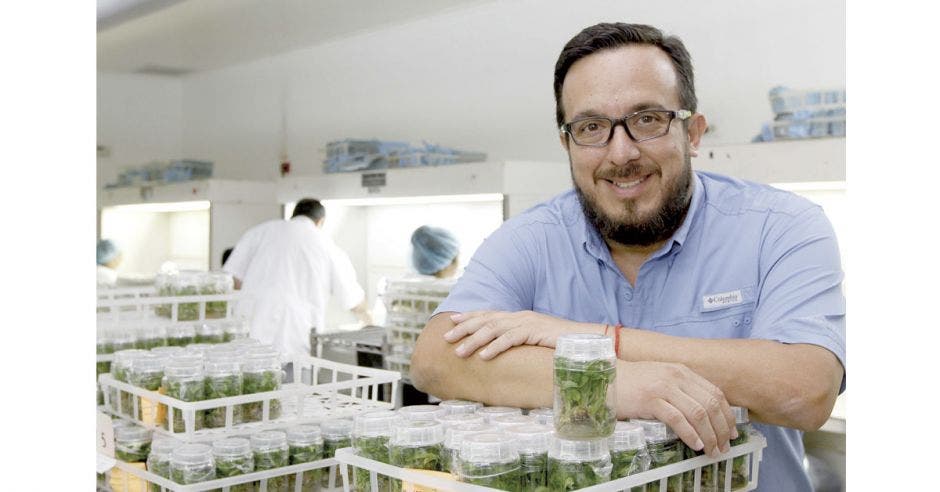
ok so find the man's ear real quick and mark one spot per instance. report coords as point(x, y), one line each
point(697, 126)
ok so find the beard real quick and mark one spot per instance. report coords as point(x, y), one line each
point(635, 230)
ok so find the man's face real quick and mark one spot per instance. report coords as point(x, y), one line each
point(634, 193)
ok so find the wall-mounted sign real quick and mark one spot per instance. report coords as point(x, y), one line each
point(373, 181)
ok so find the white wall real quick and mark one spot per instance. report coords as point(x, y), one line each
point(480, 78)
point(147, 239)
point(139, 120)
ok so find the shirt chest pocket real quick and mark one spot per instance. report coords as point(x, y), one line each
point(721, 315)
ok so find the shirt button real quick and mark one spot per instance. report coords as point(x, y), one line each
point(747, 320)
point(735, 323)
point(629, 296)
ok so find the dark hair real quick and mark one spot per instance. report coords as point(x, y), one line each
point(226, 254)
point(605, 36)
point(309, 207)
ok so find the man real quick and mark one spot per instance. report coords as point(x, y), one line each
point(289, 268)
point(729, 292)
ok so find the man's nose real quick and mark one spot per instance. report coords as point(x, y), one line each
point(622, 149)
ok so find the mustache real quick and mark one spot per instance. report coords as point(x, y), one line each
point(624, 172)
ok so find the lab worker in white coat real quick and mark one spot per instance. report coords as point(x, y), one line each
point(287, 270)
point(109, 257)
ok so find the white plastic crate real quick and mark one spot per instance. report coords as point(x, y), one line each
point(753, 448)
point(336, 391)
point(146, 478)
point(120, 306)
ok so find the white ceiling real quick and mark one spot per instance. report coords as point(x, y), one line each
point(174, 37)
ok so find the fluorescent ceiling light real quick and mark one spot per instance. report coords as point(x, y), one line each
point(414, 200)
point(163, 207)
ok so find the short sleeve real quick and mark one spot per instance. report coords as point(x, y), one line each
point(500, 276)
point(800, 297)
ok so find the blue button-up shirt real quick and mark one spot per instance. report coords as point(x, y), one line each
point(748, 261)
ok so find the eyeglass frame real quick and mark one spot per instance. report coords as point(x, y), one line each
point(680, 114)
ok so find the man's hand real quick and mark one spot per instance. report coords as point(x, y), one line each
point(695, 409)
point(498, 331)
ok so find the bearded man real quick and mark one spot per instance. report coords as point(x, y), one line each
point(717, 292)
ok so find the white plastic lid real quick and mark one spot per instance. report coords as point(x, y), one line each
point(489, 413)
point(180, 330)
point(167, 351)
point(260, 361)
point(531, 438)
point(460, 406)
point(504, 421)
point(740, 415)
point(132, 433)
point(192, 454)
point(222, 366)
point(374, 423)
point(454, 435)
point(627, 436)
point(304, 435)
point(422, 412)
point(488, 447)
point(164, 446)
point(267, 440)
point(413, 433)
point(655, 431)
point(147, 363)
point(233, 446)
point(122, 358)
point(453, 419)
point(584, 347)
point(198, 348)
point(578, 450)
point(336, 429)
point(183, 368)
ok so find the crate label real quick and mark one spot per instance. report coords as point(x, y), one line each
point(105, 435)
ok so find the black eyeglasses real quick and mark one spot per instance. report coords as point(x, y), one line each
point(596, 131)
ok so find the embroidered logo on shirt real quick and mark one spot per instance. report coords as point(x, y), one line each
point(723, 299)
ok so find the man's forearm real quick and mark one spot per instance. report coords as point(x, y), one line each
point(790, 385)
point(521, 377)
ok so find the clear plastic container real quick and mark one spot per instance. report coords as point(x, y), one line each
point(543, 415)
point(489, 413)
point(371, 434)
point(105, 345)
point(180, 335)
point(198, 348)
point(261, 371)
point(132, 443)
point(210, 332)
point(158, 461)
point(216, 283)
point(305, 444)
point(150, 335)
point(187, 284)
point(490, 460)
point(532, 442)
point(628, 453)
point(146, 372)
point(664, 449)
point(416, 444)
point(460, 406)
point(422, 412)
point(233, 457)
point(505, 421)
point(337, 434)
point(453, 436)
point(585, 371)
point(167, 352)
point(740, 465)
point(236, 329)
point(223, 380)
point(271, 451)
point(163, 282)
point(192, 463)
point(575, 464)
point(120, 371)
point(185, 380)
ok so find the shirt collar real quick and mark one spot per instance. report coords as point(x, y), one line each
point(595, 246)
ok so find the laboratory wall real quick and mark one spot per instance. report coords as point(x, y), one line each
point(147, 239)
point(481, 78)
point(139, 120)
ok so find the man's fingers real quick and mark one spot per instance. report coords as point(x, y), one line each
point(716, 410)
point(667, 413)
point(502, 343)
point(464, 324)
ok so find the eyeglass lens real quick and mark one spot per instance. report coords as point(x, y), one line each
point(642, 126)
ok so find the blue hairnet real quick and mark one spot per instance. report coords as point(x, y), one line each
point(433, 249)
point(107, 251)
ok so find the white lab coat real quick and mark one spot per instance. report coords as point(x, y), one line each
point(288, 269)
